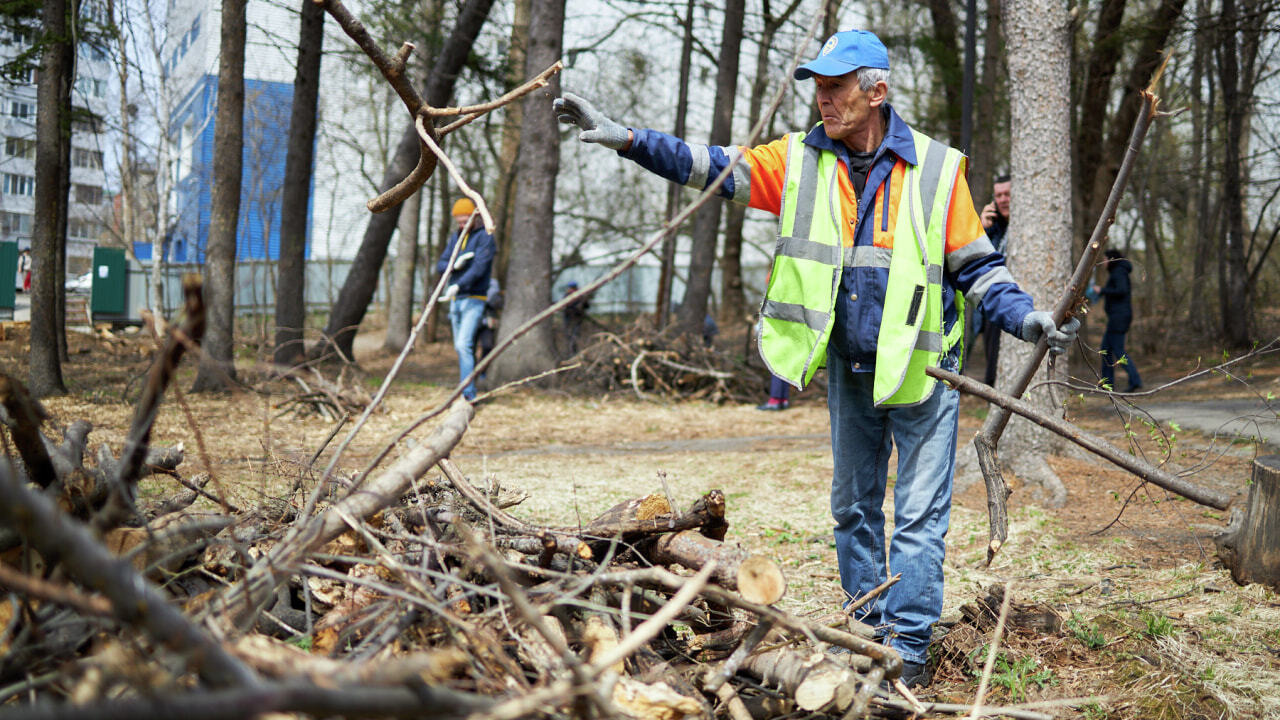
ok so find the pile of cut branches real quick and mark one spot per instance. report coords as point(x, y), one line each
point(663, 364)
point(395, 592)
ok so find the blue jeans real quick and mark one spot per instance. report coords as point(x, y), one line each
point(464, 317)
point(862, 436)
point(1113, 354)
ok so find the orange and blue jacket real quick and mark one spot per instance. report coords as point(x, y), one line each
point(972, 266)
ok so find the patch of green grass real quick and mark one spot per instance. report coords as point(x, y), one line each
point(782, 535)
point(302, 642)
point(1086, 632)
point(1157, 625)
point(1015, 676)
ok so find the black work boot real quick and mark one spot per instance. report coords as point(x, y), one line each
point(916, 675)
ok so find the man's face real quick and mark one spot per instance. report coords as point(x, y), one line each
point(847, 110)
point(1003, 193)
point(461, 221)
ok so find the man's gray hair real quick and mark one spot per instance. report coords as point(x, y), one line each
point(869, 76)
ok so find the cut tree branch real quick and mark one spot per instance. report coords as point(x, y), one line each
point(988, 437)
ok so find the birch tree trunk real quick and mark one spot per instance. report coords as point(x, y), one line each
point(1039, 245)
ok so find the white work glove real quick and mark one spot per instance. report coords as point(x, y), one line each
point(596, 128)
point(450, 293)
point(463, 259)
point(1039, 322)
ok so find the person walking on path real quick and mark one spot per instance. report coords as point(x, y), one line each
point(469, 285)
point(1116, 297)
point(995, 221)
point(871, 287)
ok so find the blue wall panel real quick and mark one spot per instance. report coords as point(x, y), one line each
point(266, 138)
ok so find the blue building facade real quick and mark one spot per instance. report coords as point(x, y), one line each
point(266, 139)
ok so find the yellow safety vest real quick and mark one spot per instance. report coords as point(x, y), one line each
point(797, 314)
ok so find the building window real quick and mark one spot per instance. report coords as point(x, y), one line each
point(88, 194)
point(12, 223)
point(91, 87)
point(80, 157)
point(19, 36)
point(20, 148)
point(23, 75)
point(21, 109)
point(15, 184)
point(87, 124)
point(88, 229)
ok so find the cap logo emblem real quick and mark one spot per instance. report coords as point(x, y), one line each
point(831, 45)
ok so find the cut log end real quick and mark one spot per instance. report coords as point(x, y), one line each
point(760, 580)
point(1250, 547)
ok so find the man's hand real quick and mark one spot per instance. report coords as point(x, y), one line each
point(1039, 322)
point(463, 259)
point(596, 128)
point(988, 215)
point(450, 293)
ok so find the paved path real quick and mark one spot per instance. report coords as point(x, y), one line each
point(1250, 418)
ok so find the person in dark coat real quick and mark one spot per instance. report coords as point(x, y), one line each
point(574, 313)
point(1116, 295)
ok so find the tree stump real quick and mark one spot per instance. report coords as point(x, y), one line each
point(1250, 546)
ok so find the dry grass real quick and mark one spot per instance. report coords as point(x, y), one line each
point(1215, 652)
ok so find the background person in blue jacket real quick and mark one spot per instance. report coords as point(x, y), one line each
point(1116, 298)
point(469, 284)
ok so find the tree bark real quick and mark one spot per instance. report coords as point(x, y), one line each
point(53, 173)
point(733, 301)
point(662, 308)
point(1039, 245)
point(362, 279)
point(504, 199)
point(217, 364)
point(291, 305)
point(528, 289)
point(400, 296)
point(1091, 112)
point(987, 154)
point(706, 222)
point(1250, 547)
point(943, 53)
point(1233, 262)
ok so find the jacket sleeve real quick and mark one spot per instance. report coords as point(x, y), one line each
point(1117, 285)
point(479, 265)
point(755, 181)
point(977, 269)
point(443, 262)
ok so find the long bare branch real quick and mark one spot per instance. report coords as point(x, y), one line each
point(988, 437)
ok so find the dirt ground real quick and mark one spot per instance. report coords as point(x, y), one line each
point(1152, 625)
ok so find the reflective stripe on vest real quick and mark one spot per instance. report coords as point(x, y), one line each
point(910, 337)
point(797, 313)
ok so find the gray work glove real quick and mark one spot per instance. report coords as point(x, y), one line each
point(596, 128)
point(1039, 322)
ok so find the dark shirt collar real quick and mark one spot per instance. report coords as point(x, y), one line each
point(897, 138)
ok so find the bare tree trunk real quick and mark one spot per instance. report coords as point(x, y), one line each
point(528, 289)
point(217, 363)
point(1039, 245)
point(830, 24)
point(706, 222)
point(986, 153)
point(666, 277)
point(1090, 126)
point(53, 172)
point(291, 287)
point(400, 297)
point(362, 279)
point(1236, 311)
point(504, 199)
point(943, 53)
point(733, 302)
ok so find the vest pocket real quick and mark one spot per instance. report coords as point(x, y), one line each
point(916, 298)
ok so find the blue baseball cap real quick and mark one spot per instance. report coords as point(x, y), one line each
point(845, 52)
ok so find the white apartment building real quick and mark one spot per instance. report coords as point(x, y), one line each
point(89, 202)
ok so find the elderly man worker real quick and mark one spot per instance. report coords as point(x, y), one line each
point(878, 233)
point(468, 285)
